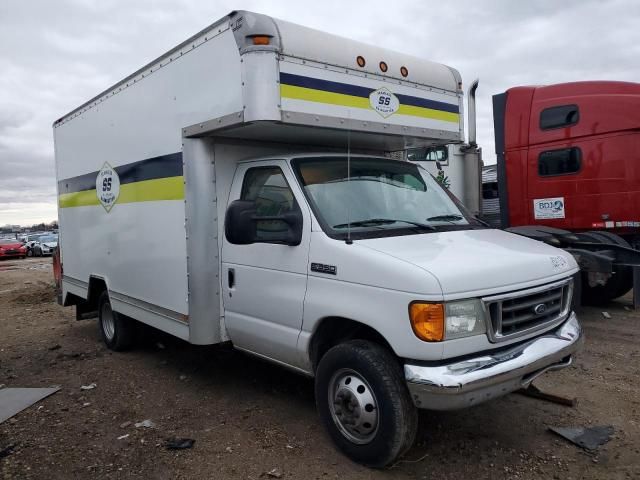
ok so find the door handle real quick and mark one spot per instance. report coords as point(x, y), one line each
point(231, 277)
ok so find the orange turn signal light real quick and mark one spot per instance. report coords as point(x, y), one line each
point(427, 321)
point(261, 39)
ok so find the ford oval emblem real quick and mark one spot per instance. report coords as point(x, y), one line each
point(540, 309)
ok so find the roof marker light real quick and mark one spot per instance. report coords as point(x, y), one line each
point(260, 39)
point(361, 61)
point(403, 71)
point(383, 67)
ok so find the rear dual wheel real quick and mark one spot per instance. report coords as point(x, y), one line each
point(117, 331)
point(364, 403)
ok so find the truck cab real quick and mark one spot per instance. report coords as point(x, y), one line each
point(568, 155)
point(363, 256)
point(566, 174)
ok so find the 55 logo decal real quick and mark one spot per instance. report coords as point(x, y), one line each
point(384, 102)
point(107, 186)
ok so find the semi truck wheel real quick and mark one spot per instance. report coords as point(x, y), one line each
point(364, 403)
point(117, 331)
point(617, 285)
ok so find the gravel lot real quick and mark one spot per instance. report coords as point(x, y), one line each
point(250, 419)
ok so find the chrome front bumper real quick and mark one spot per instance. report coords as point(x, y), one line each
point(475, 380)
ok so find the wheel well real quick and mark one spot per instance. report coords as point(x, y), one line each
point(96, 287)
point(335, 330)
point(89, 308)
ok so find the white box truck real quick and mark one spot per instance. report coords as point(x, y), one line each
point(240, 189)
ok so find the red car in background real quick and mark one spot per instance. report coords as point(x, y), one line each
point(12, 249)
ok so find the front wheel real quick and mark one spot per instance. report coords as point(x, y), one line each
point(364, 403)
point(116, 330)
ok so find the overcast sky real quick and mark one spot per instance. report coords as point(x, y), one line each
point(56, 54)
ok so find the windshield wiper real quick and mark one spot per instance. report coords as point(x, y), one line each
point(382, 221)
point(445, 218)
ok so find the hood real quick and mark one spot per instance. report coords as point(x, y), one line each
point(50, 244)
point(479, 262)
point(11, 246)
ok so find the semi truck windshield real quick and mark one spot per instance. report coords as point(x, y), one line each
point(376, 197)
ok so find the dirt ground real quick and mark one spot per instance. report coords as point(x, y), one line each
point(251, 420)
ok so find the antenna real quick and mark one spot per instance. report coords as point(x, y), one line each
point(349, 241)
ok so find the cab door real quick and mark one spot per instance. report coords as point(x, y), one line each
point(264, 283)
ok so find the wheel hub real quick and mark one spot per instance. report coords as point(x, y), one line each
point(353, 406)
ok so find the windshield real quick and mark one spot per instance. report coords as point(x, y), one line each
point(381, 198)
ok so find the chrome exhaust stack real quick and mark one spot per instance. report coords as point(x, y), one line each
point(471, 96)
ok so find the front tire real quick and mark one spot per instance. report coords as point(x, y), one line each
point(116, 330)
point(364, 404)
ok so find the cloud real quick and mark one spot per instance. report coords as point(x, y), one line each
point(56, 55)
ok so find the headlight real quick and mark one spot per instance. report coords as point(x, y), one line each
point(435, 322)
point(464, 318)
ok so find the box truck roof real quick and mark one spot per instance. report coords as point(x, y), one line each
point(296, 75)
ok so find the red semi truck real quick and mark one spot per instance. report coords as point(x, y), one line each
point(568, 173)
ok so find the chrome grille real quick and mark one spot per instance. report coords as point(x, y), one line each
point(519, 313)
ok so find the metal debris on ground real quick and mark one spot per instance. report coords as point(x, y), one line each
point(122, 437)
point(606, 315)
point(146, 424)
point(14, 400)
point(5, 452)
point(589, 438)
point(274, 473)
point(179, 443)
point(91, 386)
point(534, 392)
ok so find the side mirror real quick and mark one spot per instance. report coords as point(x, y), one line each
point(241, 225)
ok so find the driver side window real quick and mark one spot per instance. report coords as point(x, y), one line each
point(269, 190)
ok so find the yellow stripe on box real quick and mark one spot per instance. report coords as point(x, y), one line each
point(169, 188)
point(78, 199)
point(321, 96)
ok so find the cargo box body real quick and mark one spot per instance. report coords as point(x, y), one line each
point(144, 169)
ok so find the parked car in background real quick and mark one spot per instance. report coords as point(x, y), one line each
point(45, 245)
point(30, 241)
point(12, 249)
